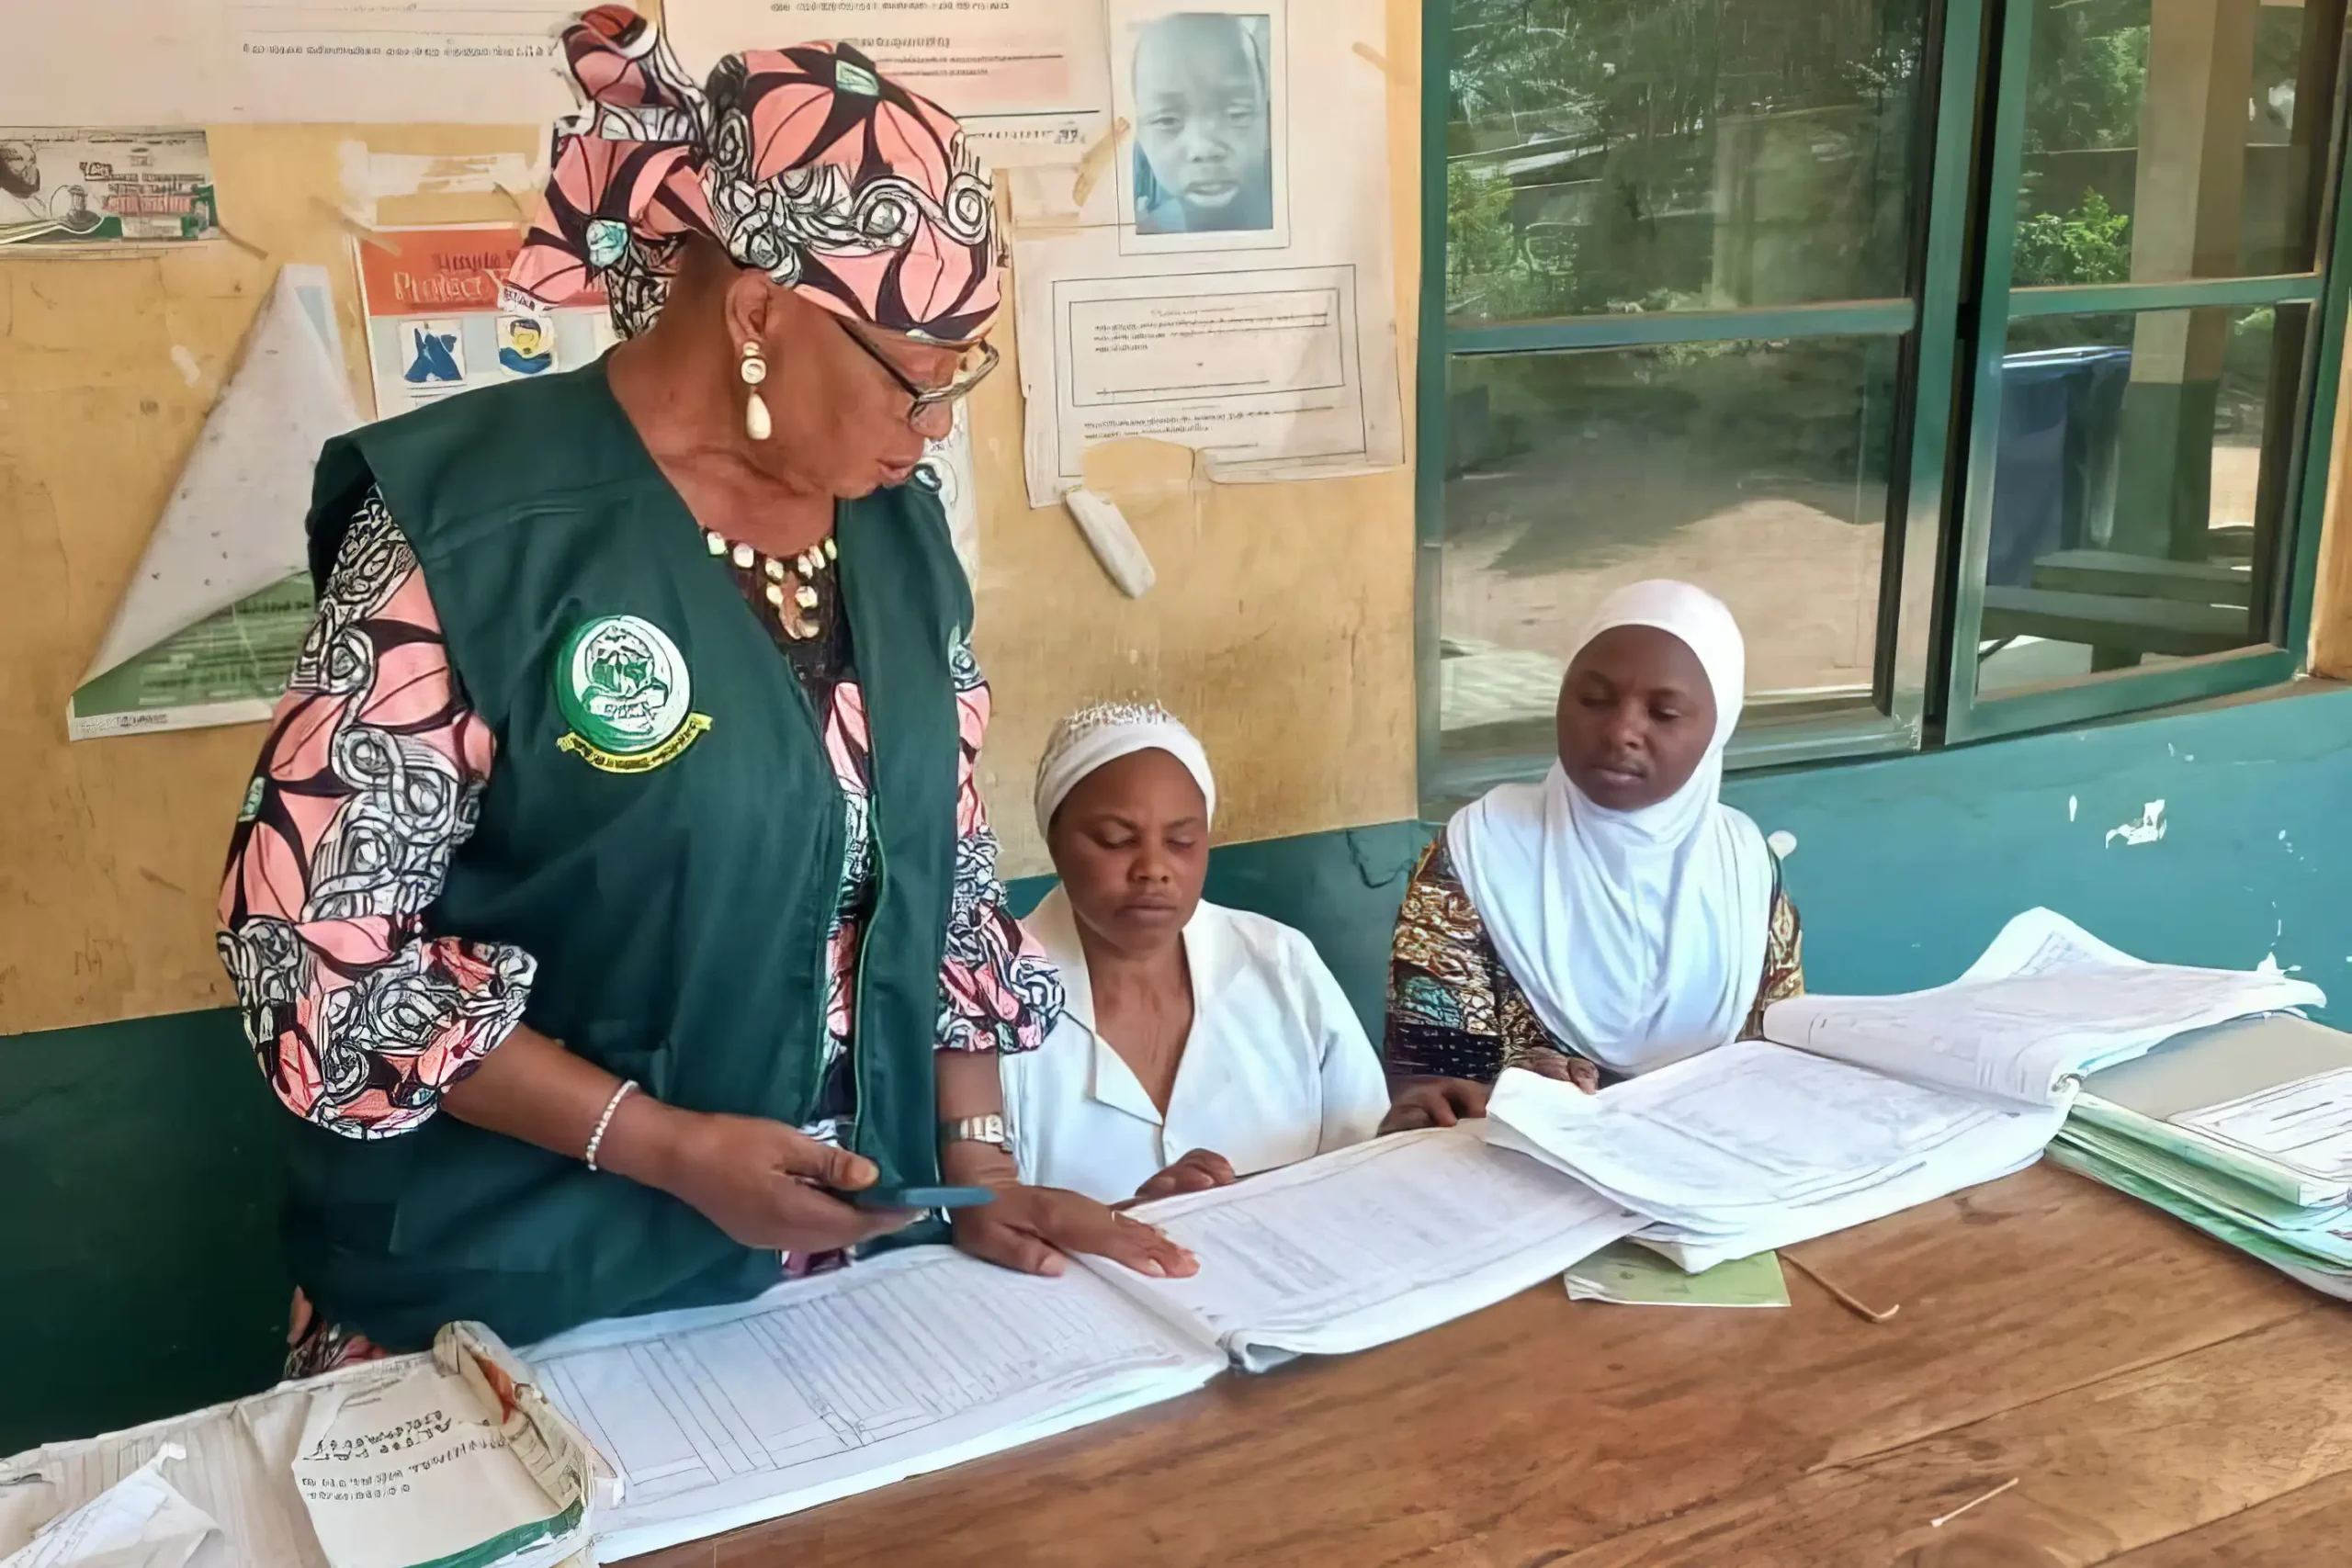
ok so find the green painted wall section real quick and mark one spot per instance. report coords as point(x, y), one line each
point(1904, 869)
point(140, 1272)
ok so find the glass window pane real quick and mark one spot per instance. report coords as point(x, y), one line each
point(2141, 463)
point(1757, 470)
point(1606, 155)
point(2174, 139)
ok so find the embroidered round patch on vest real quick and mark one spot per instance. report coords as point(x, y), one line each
point(623, 686)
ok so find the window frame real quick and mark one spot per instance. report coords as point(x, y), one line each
point(1968, 716)
point(1975, 54)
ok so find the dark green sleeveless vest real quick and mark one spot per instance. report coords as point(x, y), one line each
point(677, 911)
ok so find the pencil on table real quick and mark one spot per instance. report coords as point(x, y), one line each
point(1847, 1302)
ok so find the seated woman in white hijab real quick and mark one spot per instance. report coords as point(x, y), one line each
point(1199, 1043)
point(1614, 917)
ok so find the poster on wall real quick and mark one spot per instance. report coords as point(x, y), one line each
point(208, 627)
point(1205, 91)
point(436, 327)
point(1203, 297)
point(104, 188)
point(192, 62)
point(1026, 77)
point(229, 668)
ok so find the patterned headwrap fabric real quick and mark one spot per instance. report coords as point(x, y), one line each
point(805, 162)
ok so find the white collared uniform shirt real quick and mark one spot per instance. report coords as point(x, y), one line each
point(1276, 1066)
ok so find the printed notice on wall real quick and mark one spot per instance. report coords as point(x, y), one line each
point(1197, 294)
point(187, 62)
point(436, 327)
point(103, 187)
point(1026, 77)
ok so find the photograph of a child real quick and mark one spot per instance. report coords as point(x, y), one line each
point(1203, 138)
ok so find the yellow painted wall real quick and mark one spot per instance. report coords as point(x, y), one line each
point(1282, 624)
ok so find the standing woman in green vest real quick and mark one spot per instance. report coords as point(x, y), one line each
point(614, 890)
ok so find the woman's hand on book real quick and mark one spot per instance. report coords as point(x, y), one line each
point(1415, 1103)
point(1031, 1229)
point(1197, 1172)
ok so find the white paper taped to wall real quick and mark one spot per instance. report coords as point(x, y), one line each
point(330, 61)
point(1026, 77)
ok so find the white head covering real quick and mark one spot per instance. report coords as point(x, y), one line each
point(1104, 732)
point(1638, 936)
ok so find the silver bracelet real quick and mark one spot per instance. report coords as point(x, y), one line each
point(596, 1138)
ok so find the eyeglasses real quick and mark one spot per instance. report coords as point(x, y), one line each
point(978, 362)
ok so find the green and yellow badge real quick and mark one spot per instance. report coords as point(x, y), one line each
point(623, 689)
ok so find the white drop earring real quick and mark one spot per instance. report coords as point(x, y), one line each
point(756, 423)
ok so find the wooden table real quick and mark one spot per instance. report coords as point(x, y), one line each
point(2165, 1402)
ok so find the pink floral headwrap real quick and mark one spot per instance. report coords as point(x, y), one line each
point(805, 162)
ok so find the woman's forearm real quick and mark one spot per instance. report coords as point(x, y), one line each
point(532, 1088)
point(968, 1086)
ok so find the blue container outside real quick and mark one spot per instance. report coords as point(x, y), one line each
point(2054, 478)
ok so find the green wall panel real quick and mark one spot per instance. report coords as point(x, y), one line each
point(138, 1268)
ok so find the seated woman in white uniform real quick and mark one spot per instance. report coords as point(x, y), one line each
point(1199, 1043)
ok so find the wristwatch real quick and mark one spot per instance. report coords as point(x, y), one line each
point(988, 1129)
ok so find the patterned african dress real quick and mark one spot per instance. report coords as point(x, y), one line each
point(370, 781)
point(1453, 1009)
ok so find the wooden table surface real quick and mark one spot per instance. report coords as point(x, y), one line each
point(2164, 1402)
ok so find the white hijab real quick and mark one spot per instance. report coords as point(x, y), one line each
point(1638, 936)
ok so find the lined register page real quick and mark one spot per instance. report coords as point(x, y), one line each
point(1369, 1243)
point(907, 1363)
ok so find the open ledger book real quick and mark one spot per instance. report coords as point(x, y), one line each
point(925, 1358)
point(1853, 1108)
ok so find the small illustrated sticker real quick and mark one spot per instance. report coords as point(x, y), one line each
point(525, 345)
point(434, 350)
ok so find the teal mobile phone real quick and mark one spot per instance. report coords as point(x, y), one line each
point(921, 1197)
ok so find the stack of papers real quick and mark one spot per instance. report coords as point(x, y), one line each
point(1854, 1107)
point(1754, 1146)
point(2244, 1132)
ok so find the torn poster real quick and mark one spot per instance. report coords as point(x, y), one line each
point(189, 63)
point(1193, 291)
point(207, 629)
point(1026, 77)
point(104, 188)
point(435, 325)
